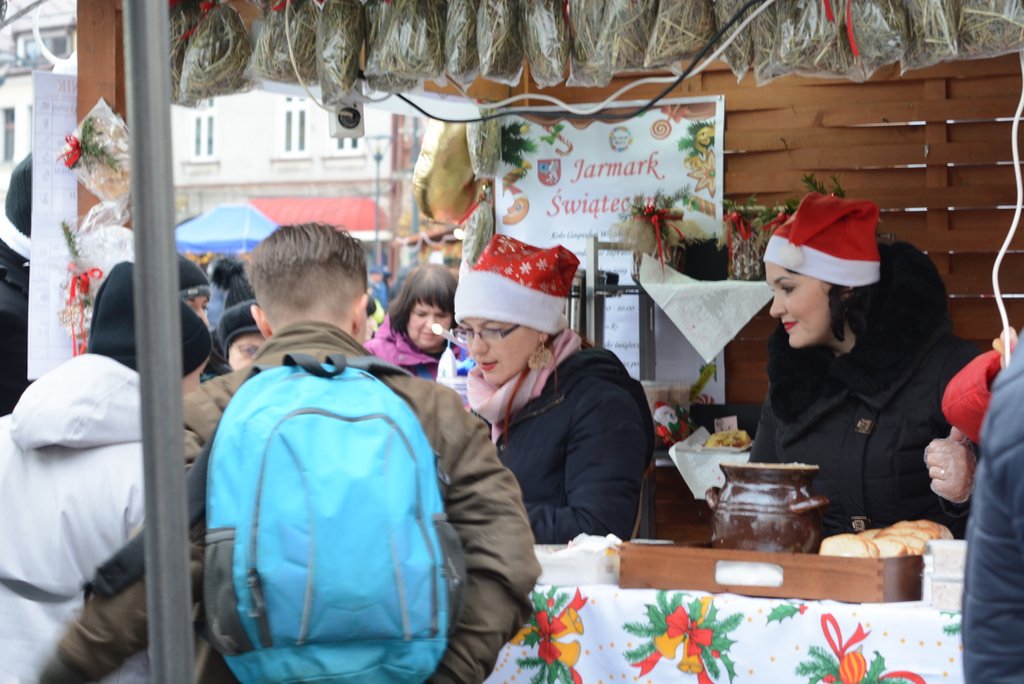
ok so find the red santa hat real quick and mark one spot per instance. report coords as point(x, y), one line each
point(831, 239)
point(513, 282)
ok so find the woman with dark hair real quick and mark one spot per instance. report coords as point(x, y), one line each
point(569, 421)
point(405, 337)
point(857, 370)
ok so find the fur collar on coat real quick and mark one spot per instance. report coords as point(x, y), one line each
point(908, 315)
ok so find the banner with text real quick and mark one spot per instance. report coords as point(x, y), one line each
point(563, 181)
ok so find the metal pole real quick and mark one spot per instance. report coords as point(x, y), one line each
point(378, 156)
point(415, 156)
point(157, 335)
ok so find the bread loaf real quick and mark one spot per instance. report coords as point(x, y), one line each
point(903, 538)
point(848, 545)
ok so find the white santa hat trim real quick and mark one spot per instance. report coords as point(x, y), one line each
point(817, 264)
point(493, 297)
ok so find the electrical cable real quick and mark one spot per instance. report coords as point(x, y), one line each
point(691, 69)
point(1013, 224)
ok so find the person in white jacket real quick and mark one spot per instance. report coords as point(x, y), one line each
point(71, 479)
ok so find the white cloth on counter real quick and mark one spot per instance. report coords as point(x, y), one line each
point(587, 559)
point(699, 466)
point(709, 313)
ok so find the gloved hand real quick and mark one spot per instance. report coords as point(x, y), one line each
point(951, 463)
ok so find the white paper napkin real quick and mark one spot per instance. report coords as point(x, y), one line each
point(708, 312)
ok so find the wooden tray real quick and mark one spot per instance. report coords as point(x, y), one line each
point(807, 576)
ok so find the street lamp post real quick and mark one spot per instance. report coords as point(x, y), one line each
point(378, 145)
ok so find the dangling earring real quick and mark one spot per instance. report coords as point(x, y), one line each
point(541, 357)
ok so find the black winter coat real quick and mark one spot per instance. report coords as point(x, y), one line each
point(865, 417)
point(993, 608)
point(13, 328)
point(580, 449)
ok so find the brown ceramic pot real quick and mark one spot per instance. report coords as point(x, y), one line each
point(767, 507)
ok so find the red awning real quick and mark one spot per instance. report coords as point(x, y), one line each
point(355, 214)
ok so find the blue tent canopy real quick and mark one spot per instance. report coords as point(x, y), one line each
point(226, 229)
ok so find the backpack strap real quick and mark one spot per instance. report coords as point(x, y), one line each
point(128, 564)
point(371, 364)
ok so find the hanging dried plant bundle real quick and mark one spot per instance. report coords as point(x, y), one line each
point(408, 39)
point(463, 60)
point(681, 29)
point(183, 19)
point(878, 27)
point(990, 27)
point(499, 40)
point(385, 83)
point(479, 228)
point(812, 39)
point(763, 32)
point(589, 66)
point(740, 52)
point(627, 32)
point(291, 22)
point(484, 140)
point(217, 57)
point(931, 33)
point(340, 32)
point(547, 40)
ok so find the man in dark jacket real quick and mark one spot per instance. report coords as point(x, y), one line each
point(310, 282)
point(15, 250)
point(993, 608)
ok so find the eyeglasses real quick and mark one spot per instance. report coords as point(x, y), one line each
point(464, 336)
point(247, 351)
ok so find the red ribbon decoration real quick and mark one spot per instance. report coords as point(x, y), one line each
point(80, 284)
point(656, 216)
point(738, 222)
point(776, 222)
point(680, 624)
point(828, 10)
point(204, 9)
point(829, 624)
point(548, 626)
point(71, 156)
point(849, 29)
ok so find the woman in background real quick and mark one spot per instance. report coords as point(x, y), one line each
point(406, 338)
point(857, 370)
point(569, 422)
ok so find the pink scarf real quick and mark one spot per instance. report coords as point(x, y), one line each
point(490, 401)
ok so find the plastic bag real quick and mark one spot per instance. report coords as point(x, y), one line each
point(988, 28)
point(739, 54)
point(408, 39)
point(340, 32)
point(878, 31)
point(289, 30)
point(499, 41)
point(547, 41)
point(479, 229)
point(589, 66)
point(763, 35)
point(217, 57)
point(681, 29)
point(931, 33)
point(107, 213)
point(627, 32)
point(386, 82)
point(812, 40)
point(99, 153)
point(462, 59)
point(484, 140)
point(184, 16)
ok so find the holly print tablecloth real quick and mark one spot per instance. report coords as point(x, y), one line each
point(596, 634)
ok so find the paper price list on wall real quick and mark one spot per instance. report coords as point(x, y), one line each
point(54, 200)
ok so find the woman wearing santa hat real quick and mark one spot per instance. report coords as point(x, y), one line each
point(857, 369)
point(569, 421)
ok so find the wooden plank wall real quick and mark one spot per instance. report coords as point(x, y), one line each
point(931, 147)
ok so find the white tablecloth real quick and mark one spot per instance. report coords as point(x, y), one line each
point(597, 634)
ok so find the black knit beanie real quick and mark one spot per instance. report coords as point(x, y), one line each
point(112, 332)
point(192, 280)
point(19, 197)
point(229, 275)
point(236, 320)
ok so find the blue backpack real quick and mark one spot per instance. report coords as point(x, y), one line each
point(328, 556)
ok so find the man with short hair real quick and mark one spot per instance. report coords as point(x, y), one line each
point(310, 285)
